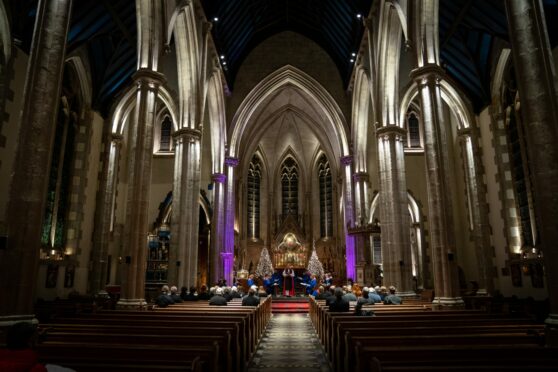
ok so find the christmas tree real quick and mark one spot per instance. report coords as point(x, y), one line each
point(315, 266)
point(265, 267)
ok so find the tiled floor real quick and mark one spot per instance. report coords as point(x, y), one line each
point(289, 343)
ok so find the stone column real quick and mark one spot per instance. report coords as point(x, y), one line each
point(230, 163)
point(534, 67)
point(183, 260)
point(478, 210)
point(362, 240)
point(218, 226)
point(439, 203)
point(104, 215)
point(19, 262)
point(394, 210)
point(140, 155)
point(350, 253)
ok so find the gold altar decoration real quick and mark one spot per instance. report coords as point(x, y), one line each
point(289, 252)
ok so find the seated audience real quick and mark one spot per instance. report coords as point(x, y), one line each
point(184, 293)
point(251, 299)
point(227, 294)
point(322, 293)
point(392, 299)
point(234, 293)
point(331, 296)
point(174, 295)
point(192, 295)
point(203, 294)
point(164, 298)
point(382, 292)
point(364, 300)
point(340, 304)
point(349, 295)
point(218, 299)
point(372, 295)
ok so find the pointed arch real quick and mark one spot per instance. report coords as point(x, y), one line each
point(5, 35)
point(334, 125)
point(80, 66)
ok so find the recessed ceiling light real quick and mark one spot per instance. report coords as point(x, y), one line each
point(352, 60)
point(353, 54)
point(222, 56)
point(215, 19)
point(224, 63)
point(359, 16)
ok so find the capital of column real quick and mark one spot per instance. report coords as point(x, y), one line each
point(187, 133)
point(390, 131)
point(116, 138)
point(428, 74)
point(361, 176)
point(206, 27)
point(346, 160)
point(464, 132)
point(153, 79)
point(218, 177)
point(231, 161)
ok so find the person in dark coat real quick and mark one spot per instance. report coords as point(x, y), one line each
point(339, 304)
point(331, 296)
point(203, 294)
point(191, 296)
point(251, 299)
point(19, 354)
point(234, 293)
point(392, 298)
point(174, 295)
point(218, 299)
point(322, 294)
point(164, 298)
point(364, 300)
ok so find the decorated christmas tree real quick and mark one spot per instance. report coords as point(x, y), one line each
point(264, 266)
point(315, 266)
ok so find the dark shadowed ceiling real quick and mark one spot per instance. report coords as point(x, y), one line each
point(470, 30)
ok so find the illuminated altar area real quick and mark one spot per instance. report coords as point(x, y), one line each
point(290, 252)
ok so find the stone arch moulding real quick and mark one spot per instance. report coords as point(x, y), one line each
point(290, 75)
point(125, 105)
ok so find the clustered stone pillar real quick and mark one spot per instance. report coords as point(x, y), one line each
point(350, 254)
point(478, 210)
point(104, 213)
point(140, 141)
point(439, 203)
point(534, 67)
point(394, 211)
point(362, 241)
point(183, 256)
point(228, 253)
point(19, 262)
point(218, 226)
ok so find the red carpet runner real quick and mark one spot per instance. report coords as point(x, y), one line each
point(289, 305)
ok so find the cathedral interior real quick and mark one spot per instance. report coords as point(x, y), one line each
point(407, 143)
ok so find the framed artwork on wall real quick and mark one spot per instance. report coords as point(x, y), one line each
point(51, 276)
point(69, 276)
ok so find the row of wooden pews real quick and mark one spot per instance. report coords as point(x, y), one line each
point(412, 337)
point(189, 336)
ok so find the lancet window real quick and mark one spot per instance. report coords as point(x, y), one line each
point(254, 184)
point(326, 197)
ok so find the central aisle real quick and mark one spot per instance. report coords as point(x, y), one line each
point(289, 342)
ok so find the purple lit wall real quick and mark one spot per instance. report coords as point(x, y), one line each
point(350, 254)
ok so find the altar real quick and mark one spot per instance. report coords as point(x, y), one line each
point(290, 252)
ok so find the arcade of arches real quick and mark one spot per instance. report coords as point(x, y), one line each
point(184, 169)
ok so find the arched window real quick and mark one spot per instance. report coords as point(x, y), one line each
point(254, 182)
point(414, 141)
point(326, 198)
point(166, 128)
point(289, 187)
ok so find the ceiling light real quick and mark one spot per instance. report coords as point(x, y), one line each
point(359, 16)
point(353, 54)
point(215, 19)
point(222, 56)
point(352, 60)
point(224, 63)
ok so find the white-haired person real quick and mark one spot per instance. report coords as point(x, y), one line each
point(218, 299)
point(164, 298)
point(392, 298)
point(234, 292)
point(251, 299)
point(174, 294)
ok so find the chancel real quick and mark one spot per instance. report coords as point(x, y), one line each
point(357, 184)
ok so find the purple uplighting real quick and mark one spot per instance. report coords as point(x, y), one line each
point(350, 254)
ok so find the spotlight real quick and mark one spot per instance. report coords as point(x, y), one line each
point(359, 16)
point(215, 19)
point(353, 54)
point(222, 56)
point(352, 60)
point(224, 63)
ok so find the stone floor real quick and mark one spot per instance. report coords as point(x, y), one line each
point(290, 342)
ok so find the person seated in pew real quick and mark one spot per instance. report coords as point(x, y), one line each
point(392, 298)
point(331, 296)
point(218, 299)
point(349, 295)
point(234, 293)
point(227, 294)
point(164, 298)
point(340, 304)
point(373, 296)
point(322, 293)
point(203, 295)
point(251, 299)
point(174, 295)
point(19, 354)
point(382, 292)
point(364, 300)
point(183, 293)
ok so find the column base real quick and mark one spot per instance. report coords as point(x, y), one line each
point(448, 303)
point(407, 294)
point(551, 330)
point(131, 304)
